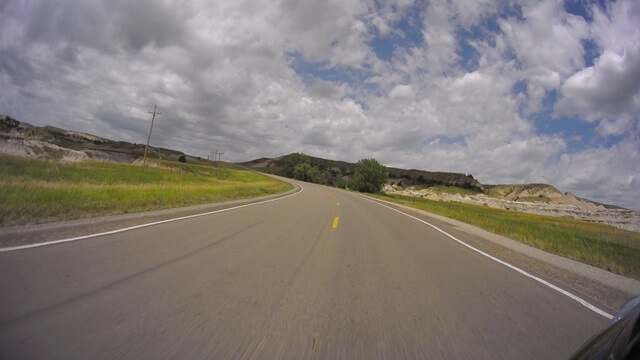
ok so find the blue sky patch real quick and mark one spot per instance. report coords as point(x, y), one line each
point(443, 139)
point(310, 72)
point(519, 87)
point(383, 47)
point(468, 54)
point(591, 52)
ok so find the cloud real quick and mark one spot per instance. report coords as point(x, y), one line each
point(547, 36)
point(439, 37)
point(609, 88)
point(327, 89)
point(609, 91)
point(258, 78)
point(402, 92)
point(616, 127)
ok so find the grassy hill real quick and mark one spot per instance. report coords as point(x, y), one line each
point(68, 175)
point(35, 191)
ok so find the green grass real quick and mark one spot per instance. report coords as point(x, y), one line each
point(595, 244)
point(449, 189)
point(34, 191)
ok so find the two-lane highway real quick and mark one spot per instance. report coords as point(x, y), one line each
point(323, 274)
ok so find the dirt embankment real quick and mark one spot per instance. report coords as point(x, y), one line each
point(19, 138)
point(44, 150)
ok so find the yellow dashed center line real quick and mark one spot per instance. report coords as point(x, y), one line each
point(335, 222)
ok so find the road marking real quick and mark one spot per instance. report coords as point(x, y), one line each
point(22, 247)
point(542, 281)
point(335, 222)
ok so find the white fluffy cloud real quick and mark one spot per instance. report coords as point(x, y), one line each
point(611, 87)
point(547, 37)
point(264, 78)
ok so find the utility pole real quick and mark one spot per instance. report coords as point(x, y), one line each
point(144, 162)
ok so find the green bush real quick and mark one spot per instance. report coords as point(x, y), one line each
point(301, 171)
point(292, 161)
point(370, 176)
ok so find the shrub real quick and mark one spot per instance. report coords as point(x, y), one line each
point(292, 161)
point(182, 159)
point(370, 176)
point(301, 171)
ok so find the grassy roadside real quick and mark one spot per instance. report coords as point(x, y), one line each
point(598, 245)
point(33, 191)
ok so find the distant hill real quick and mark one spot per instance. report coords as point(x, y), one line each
point(345, 170)
point(22, 138)
point(417, 181)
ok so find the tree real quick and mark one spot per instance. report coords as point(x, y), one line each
point(370, 176)
point(182, 158)
point(323, 177)
point(292, 161)
point(313, 175)
point(301, 172)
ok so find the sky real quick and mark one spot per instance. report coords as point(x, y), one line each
point(509, 91)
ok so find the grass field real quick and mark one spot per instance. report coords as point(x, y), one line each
point(599, 245)
point(34, 191)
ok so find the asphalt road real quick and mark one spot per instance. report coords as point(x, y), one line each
point(282, 279)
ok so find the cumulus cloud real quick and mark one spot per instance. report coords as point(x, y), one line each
point(547, 36)
point(611, 87)
point(615, 127)
point(258, 78)
point(439, 37)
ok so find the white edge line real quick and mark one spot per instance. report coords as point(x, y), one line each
point(542, 281)
point(29, 246)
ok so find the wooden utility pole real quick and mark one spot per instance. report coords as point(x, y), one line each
point(144, 162)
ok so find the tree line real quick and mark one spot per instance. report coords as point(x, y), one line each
point(369, 176)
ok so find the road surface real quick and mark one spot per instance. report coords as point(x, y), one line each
point(323, 274)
